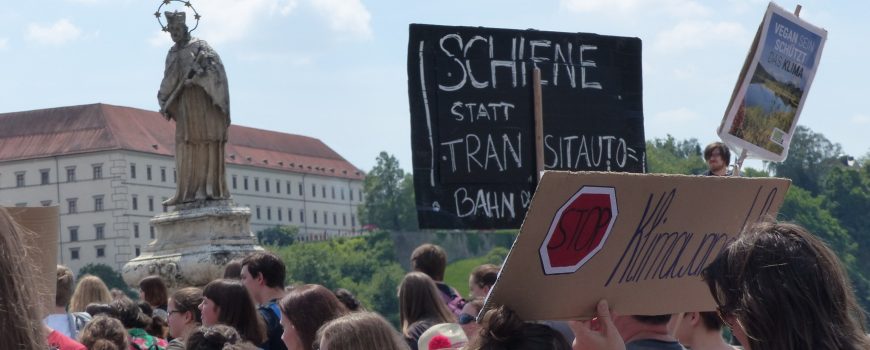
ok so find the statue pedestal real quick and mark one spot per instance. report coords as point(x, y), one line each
point(193, 244)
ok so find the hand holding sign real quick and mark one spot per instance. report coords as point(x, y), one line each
point(598, 333)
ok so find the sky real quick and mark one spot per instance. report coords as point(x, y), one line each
point(336, 69)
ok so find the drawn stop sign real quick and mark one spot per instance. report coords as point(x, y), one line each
point(579, 230)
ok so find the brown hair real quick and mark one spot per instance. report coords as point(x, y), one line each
point(419, 299)
point(502, 329)
point(19, 310)
point(236, 309)
point(233, 269)
point(129, 313)
point(484, 275)
point(308, 308)
point(65, 286)
point(711, 320)
point(724, 152)
point(267, 264)
point(429, 259)
point(217, 337)
point(188, 300)
point(360, 331)
point(786, 290)
point(154, 290)
point(90, 289)
point(104, 333)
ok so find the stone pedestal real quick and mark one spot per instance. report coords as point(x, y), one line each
point(193, 244)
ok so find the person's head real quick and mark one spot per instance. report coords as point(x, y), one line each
point(261, 271)
point(349, 300)
point(152, 290)
point(95, 309)
point(184, 314)
point(303, 311)
point(779, 287)
point(717, 155)
point(482, 279)
point(129, 313)
point(90, 289)
point(65, 286)
point(429, 259)
point(228, 302)
point(695, 325)
point(233, 269)
point(176, 26)
point(104, 333)
point(359, 331)
point(217, 337)
point(19, 312)
point(419, 299)
point(502, 329)
point(468, 318)
point(155, 325)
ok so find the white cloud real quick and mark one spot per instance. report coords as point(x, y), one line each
point(679, 115)
point(860, 119)
point(346, 16)
point(287, 7)
point(57, 33)
point(695, 34)
point(676, 8)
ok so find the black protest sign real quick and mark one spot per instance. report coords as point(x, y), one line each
point(472, 121)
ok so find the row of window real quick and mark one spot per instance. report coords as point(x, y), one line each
point(73, 206)
point(314, 215)
point(45, 175)
point(288, 188)
point(100, 232)
point(148, 173)
point(100, 252)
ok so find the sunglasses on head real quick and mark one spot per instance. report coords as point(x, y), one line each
point(465, 319)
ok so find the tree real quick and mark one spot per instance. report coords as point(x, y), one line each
point(110, 277)
point(278, 235)
point(810, 157)
point(669, 156)
point(389, 201)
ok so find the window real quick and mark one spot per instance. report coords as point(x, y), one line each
point(352, 220)
point(138, 250)
point(151, 232)
point(98, 203)
point(268, 213)
point(290, 214)
point(136, 230)
point(288, 188)
point(277, 186)
point(98, 171)
point(313, 190)
point(162, 174)
point(101, 251)
point(245, 183)
point(350, 192)
point(333, 192)
point(70, 174)
point(74, 253)
point(360, 195)
point(132, 171)
point(235, 182)
point(267, 184)
point(148, 172)
point(100, 230)
point(45, 203)
point(19, 179)
point(150, 203)
point(300, 189)
point(71, 205)
point(174, 176)
point(343, 219)
point(323, 191)
point(258, 212)
point(43, 177)
point(334, 219)
point(165, 208)
point(301, 215)
point(314, 213)
point(342, 194)
point(257, 184)
point(74, 234)
point(280, 213)
point(135, 202)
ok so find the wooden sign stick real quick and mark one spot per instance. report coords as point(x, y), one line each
point(539, 122)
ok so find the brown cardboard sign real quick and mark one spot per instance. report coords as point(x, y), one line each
point(638, 240)
point(40, 229)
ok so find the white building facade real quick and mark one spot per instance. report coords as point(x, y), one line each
point(109, 187)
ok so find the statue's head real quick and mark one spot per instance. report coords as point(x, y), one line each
point(176, 26)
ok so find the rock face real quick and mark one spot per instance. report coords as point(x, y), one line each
point(193, 244)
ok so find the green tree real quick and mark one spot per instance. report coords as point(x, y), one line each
point(110, 277)
point(278, 235)
point(669, 156)
point(810, 157)
point(389, 201)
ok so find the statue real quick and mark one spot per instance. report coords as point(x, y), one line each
point(194, 93)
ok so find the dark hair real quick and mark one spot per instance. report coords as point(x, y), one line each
point(233, 270)
point(236, 309)
point(485, 275)
point(104, 333)
point(502, 329)
point(308, 308)
point(158, 326)
point(724, 152)
point(429, 259)
point(786, 290)
point(419, 299)
point(154, 290)
point(188, 300)
point(217, 337)
point(65, 286)
point(95, 309)
point(711, 320)
point(653, 320)
point(269, 266)
point(130, 315)
point(348, 299)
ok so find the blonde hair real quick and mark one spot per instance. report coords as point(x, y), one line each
point(419, 299)
point(19, 309)
point(104, 333)
point(360, 331)
point(90, 289)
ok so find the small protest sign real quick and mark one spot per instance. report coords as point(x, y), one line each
point(638, 240)
point(39, 227)
point(472, 119)
point(773, 85)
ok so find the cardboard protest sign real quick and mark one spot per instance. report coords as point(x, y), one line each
point(472, 118)
point(40, 228)
point(773, 85)
point(638, 240)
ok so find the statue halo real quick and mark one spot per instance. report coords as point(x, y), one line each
point(186, 4)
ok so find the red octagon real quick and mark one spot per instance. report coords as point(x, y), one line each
point(579, 229)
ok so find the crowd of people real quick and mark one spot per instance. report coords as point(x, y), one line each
point(776, 287)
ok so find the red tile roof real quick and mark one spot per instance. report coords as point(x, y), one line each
point(96, 127)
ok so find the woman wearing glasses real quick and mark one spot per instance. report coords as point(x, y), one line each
point(184, 315)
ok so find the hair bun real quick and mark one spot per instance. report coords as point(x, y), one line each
point(501, 324)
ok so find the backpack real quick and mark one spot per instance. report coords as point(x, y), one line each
point(271, 314)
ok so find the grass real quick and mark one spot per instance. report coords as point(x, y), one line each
point(457, 273)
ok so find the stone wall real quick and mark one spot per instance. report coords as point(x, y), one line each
point(458, 245)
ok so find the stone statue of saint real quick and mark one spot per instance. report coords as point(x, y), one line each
point(194, 92)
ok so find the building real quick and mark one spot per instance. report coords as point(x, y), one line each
point(110, 167)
